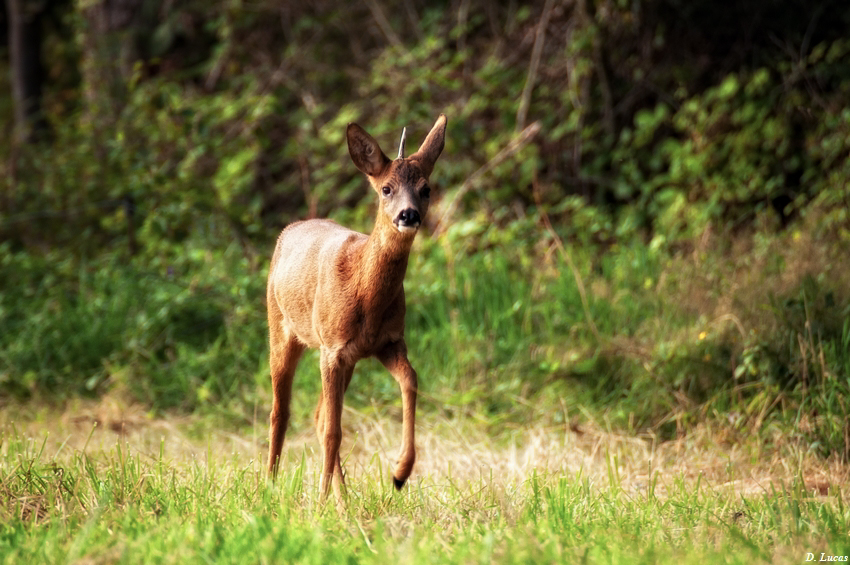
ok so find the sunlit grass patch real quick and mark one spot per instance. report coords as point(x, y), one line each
point(149, 493)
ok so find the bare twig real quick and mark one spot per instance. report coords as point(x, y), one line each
point(414, 19)
point(585, 21)
point(383, 23)
point(734, 319)
point(520, 141)
point(462, 17)
point(309, 197)
point(217, 68)
point(536, 52)
point(604, 86)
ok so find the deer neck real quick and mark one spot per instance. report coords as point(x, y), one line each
point(383, 262)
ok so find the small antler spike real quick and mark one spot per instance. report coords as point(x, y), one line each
point(401, 143)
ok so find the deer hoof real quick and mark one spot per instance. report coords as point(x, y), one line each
point(398, 483)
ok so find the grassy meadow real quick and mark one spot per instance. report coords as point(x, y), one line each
point(628, 306)
point(79, 487)
point(617, 429)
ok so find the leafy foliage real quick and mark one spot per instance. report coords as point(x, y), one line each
point(135, 238)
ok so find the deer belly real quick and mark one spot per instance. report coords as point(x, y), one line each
point(296, 305)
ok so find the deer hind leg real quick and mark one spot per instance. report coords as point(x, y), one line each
point(394, 358)
point(336, 375)
point(285, 353)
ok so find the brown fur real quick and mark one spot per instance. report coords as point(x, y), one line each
point(341, 291)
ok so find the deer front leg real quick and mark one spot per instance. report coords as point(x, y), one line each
point(335, 376)
point(394, 358)
point(318, 416)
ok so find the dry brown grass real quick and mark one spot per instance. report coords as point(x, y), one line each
point(728, 283)
point(448, 451)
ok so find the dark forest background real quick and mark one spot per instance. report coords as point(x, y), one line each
point(643, 204)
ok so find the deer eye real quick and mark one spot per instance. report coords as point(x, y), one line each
point(426, 191)
point(386, 190)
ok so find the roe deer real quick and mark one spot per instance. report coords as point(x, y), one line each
point(341, 291)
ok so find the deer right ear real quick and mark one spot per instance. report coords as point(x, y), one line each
point(432, 146)
point(365, 151)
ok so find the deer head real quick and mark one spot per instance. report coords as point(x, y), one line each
point(402, 184)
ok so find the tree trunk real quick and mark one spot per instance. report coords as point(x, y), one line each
point(108, 57)
point(24, 19)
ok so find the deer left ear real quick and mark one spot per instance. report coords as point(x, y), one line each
point(431, 148)
point(365, 151)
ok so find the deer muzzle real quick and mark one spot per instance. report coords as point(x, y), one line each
point(408, 220)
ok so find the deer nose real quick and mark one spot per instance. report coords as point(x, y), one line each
point(409, 217)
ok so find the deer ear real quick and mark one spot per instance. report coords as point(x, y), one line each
point(432, 146)
point(365, 151)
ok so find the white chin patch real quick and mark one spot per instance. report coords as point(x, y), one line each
point(407, 229)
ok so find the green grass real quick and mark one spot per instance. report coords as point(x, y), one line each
point(695, 411)
point(97, 497)
point(492, 330)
